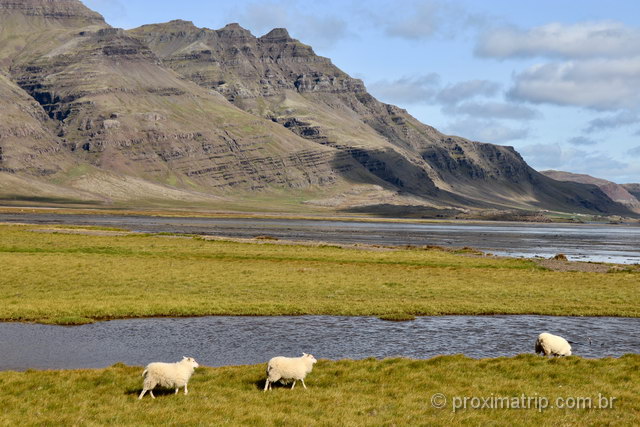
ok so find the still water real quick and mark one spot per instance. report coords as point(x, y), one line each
point(238, 340)
point(619, 243)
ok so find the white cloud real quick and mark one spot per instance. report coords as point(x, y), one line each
point(423, 22)
point(263, 17)
point(486, 131)
point(490, 110)
point(598, 84)
point(624, 118)
point(320, 31)
point(594, 163)
point(407, 90)
point(608, 39)
point(582, 140)
point(454, 93)
point(426, 19)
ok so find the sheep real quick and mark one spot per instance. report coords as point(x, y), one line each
point(289, 368)
point(168, 375)
point(552, 345)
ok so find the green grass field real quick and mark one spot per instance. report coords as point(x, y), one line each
point(59, 277)
point(342, 393)
point(77, 274)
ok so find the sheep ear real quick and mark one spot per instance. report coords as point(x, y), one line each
point(304, 354)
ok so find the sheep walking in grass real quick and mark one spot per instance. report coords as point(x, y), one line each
point(168, 375)
point(552, 345)
point(289, 368)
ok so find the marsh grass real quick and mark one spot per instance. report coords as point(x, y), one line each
point(75, 278)
point(350, 393)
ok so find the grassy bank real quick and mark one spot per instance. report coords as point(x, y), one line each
point(350, 393)
point(60, 277)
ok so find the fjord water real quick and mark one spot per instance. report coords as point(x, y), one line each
point(615, 243)
point(239, 340)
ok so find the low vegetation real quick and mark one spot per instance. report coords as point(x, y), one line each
point(64, 276)
point(346, 392)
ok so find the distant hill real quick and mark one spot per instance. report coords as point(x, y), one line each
point(175, 115)
point(633, 189)
point(626, 194)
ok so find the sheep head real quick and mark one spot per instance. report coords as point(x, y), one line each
point(310, 357)
point(190, 361)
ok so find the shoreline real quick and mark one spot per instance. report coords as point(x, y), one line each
point(77, 275)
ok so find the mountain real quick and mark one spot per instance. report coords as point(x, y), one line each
point(171, 113)
point(616, 192)
point(634, 189)
point(281, 79)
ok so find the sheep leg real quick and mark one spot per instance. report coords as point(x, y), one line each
point(151, 393)
point(177, 388)
point(144, 390)
point(266, 385)
point(185, 389)
point(303, 385)
point(294, 384)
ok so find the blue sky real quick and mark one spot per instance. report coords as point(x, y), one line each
point(557, 79)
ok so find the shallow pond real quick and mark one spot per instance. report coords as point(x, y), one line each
point(237, 340)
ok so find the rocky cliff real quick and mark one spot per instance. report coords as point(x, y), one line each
point(110, 104)
point(281, 79)
point(175, 111)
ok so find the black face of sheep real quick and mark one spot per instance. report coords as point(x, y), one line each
point(168, 375)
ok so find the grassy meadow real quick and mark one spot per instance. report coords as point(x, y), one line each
point(56, 276)
point(346, 393)
point(72, 275)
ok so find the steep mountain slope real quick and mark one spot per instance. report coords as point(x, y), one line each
point(279, 78)
point(172, 112)
point(634, 189)
point(27, 144)
point(618, 193)
point(114, 107)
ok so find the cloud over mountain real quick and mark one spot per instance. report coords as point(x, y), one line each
point(600, 84)
point(609, 39)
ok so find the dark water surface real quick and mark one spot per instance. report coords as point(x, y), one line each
point(238, 340)
point(579, 242)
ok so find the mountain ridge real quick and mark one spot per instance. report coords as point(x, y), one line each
point(222, 114)
point(620, 193)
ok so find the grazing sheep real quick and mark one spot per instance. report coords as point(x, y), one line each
point(289, 368)
point(168, 375)
point(552, 345)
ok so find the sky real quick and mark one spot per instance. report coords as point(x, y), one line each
point(559, 80)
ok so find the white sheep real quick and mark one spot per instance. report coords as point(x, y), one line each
point(552, 345)
point(289, 368)
point(168, 375)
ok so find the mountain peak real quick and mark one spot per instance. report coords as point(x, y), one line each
point(234, 32)
point(277, 35)
point(181, 23)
